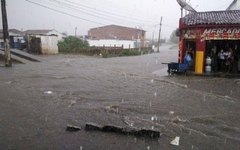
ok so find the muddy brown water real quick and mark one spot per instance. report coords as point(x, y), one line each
point(39, 100)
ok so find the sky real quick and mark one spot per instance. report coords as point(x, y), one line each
point(79, 16)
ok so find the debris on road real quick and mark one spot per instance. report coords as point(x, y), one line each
point(126, 131)
point(154, 118)
point(72, 128)
point(112, 109)
point(237, 81)
point(72, 103)
point(148, 133)
point(112, 128)
point(175, 142)
point(128, 121)
point(48, 92)
point(178, 120)
point(93, 126)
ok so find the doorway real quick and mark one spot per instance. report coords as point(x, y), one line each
point(191, 48)
point(213, 50)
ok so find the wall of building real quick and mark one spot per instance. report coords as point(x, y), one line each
point(111, 43)
point(49, 44)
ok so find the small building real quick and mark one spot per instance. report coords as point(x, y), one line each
point(16, 39)
point(43, 41)
point(206, 34)
point(114, 35)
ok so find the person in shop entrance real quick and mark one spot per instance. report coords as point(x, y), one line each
point(214, 58)
point(229, 60)
point(188, 59)
point(221, 60)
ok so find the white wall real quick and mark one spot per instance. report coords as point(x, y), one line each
point(112, 43)
point(49, 44)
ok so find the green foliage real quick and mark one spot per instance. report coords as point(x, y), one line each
point(127, 52)
point(72, 44)
point(105, 54)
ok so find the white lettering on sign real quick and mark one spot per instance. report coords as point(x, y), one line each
point(222, 30)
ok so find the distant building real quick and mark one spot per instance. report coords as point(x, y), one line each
point(16, 39)
point(235, 5)
point(43, 41)
point(45, 33)
point(114, 35)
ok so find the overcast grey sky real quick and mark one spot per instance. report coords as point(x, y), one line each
point(86, 14)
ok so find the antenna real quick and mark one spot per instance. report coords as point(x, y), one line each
point(186, 6)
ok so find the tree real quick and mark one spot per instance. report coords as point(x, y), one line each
point(173, 37)
point(72, 44)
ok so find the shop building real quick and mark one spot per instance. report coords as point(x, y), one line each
point(205, 35)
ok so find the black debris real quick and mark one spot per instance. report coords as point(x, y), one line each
point(72, 128)
point(126, 131)
point(112, 128)
point(93, 126)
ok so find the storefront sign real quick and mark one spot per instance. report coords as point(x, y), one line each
point(212, 34)
point(221, 31)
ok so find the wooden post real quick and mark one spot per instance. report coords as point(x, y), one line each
point(159, 35)
point(8, 62)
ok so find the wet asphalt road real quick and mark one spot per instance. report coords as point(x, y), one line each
point(38, 101)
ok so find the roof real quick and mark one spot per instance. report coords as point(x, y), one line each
point(115, 32)
point(37, 32)
point(213, 18)
point(14, 31)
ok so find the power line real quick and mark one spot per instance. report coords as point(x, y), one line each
point(62, 12)
point(73, 8)
point(108, 12)
point(67, 7)
point(91, 13)
point(96, 13)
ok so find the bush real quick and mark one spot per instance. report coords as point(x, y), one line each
point(127, 52)
point(72, 44)
point(105, 54)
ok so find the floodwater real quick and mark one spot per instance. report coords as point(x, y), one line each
point(39, 100)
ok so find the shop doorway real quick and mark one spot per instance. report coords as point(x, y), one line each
point(225, 55)
point(191, 48)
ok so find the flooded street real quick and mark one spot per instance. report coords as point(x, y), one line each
point(39, 100)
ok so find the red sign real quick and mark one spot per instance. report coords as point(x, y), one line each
point(213, 34)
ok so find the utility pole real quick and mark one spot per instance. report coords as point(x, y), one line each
point(8, 62)
point(159, 35)
point(75, 31)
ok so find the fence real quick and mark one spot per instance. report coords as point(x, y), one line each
point(112, 51)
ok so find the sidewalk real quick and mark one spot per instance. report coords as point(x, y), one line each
point(216, 74)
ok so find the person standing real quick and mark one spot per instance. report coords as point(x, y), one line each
point(221, 60)
point(214, 58)
point(229, 60)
